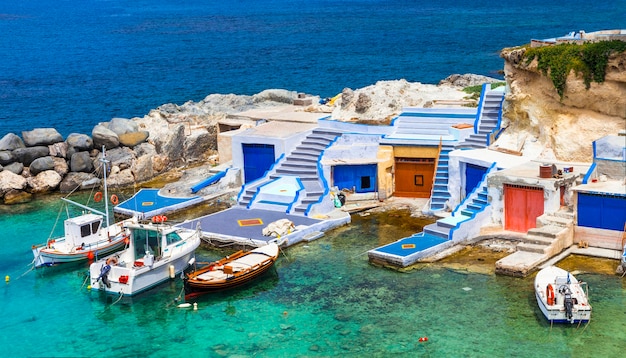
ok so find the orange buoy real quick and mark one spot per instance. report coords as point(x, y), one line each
point(114, 199)
point(97, 197)
point(423, 339)
point(90, 255)
point(126, 240)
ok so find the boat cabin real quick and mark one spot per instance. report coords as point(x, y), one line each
point(150, 243)
point(83, 230)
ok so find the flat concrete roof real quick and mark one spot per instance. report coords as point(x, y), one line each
point(278, 129)
point(287, 112)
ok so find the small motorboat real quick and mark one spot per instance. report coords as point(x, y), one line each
point(561, 297)
point(87, 236)
point(156, 252)
point(231, 271)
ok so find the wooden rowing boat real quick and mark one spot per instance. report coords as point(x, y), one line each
point(231, 271)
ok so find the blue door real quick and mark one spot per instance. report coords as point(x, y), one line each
point(257, 159)
point(602, 211)
point(361, 178)
point(473, 176)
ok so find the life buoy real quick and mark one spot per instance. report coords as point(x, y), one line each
point(114, 199)
point(97, 197)
point(112, 261)
point(550, 294)
point(159, 219)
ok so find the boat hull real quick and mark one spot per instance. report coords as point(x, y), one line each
point(560, 297)
point(45, 256)
point(213, 278)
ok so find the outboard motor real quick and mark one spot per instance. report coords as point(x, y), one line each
point(104, 275)
point(569, 304)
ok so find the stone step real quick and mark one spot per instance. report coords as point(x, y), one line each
point(545, 220)
point(538, 240)
point(537, 248)
point(550, 231)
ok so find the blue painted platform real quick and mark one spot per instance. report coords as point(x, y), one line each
point(409, 250)
point(148, 203)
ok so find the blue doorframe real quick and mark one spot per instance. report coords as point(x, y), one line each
point(257, 159)
point(360, 177)
point(473, 176)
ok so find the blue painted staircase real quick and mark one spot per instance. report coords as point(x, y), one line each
point(489, 117)
point(440, 194)
point(301, 163)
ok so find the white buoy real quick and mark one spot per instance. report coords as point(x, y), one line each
point(184, 305)
point(195, 306)
point(172, 271)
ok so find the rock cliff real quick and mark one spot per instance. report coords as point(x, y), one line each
point(540, 123)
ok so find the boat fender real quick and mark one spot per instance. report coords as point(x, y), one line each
point(172, 271)
point(184, 305)
point(97, 197)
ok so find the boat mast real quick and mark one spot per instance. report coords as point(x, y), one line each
point(106, 194)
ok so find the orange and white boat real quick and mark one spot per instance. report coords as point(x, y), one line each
point(231, 271)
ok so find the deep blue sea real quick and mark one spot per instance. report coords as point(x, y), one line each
point(71, 64)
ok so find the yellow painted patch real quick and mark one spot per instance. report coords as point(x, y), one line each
point(250, 222)
point(408, 246)
point(147, 203)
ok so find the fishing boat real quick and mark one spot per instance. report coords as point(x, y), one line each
point(231, 271)
point(561, 297)
point(85, 236)
point(155, 253)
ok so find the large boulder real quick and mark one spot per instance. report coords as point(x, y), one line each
point(81, 162)
point(6, 157)
point(27, 155)
point(79, 142)
point(11, 142)
point(173, 145)
point(102, 136)
point(198, 145)
point(61, 166)
point(17, 197)
point(80, 181)
point(58, 149)
point(41, 136)
point(41, 165)
point(16, 168)
point(44, 182)
point(10, 180)
point(144, 149)
point(122, 126)
point(132, 139)
point(143, 169)
point(121, 157)
point(121, 179)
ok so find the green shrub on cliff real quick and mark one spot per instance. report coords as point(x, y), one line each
point(589, 59)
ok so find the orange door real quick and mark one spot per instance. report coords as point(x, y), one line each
point(522, 206)
point(414, 177)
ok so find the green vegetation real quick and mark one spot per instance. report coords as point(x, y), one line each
point(474, 91)
point(589, 59)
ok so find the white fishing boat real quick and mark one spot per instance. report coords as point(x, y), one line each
point(561, 297)
point(85, 236)
point(156, 252)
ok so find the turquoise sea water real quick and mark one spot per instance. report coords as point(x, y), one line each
point(323, 299)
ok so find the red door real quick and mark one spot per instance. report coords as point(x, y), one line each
point(522, 206)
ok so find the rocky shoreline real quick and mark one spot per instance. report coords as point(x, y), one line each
point(174, 136)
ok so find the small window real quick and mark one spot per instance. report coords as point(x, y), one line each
point(172, 237)
point(366, 183)
point(95, 226)
point(85, 230)
point(418, 180)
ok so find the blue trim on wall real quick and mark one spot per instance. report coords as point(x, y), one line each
point(479, 111)
point(321, 172)
point(256, 181)
point(295, 199)
point(590, 171)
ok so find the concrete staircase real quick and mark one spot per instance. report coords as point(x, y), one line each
point(553, 234)
point(489, 113)
point(301, 163)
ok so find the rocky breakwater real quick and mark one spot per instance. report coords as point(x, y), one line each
point(42, 161)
